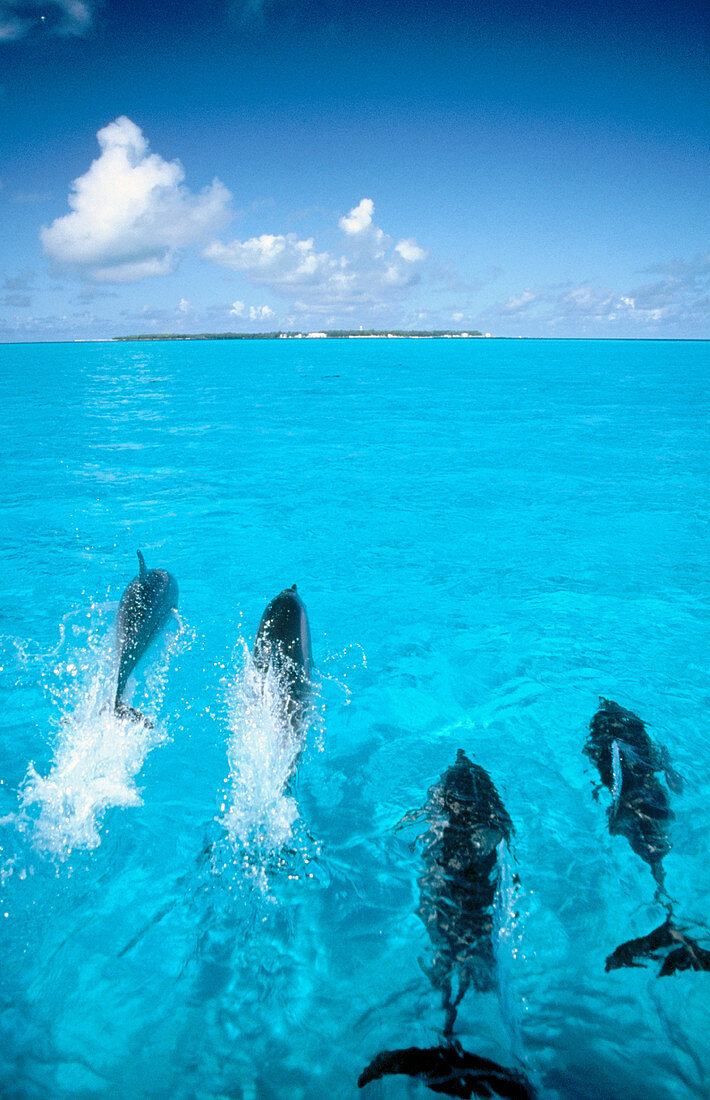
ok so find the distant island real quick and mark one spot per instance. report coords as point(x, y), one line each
point(331, 334)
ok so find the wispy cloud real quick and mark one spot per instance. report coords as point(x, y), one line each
point(131, 213)
point(64, 17)
point(677, 301)
point(370, 269)
point(17, 289)
point(255, 12)
point(30, 198)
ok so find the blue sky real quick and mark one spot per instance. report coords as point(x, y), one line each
point(518, 168)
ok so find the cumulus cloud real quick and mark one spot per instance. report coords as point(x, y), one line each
point(131, 213)
point(64, 17)
point(254, 313)
point(410, 251)
point(369, 270)
point(272, 259)
point(260, 313)
point(359, 218)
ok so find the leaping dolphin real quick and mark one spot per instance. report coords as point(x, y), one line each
point(142, 612)
point(283, 644)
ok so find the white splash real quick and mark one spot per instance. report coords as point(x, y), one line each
point(95, 764)
point(258, 810)
point(97, 756)
point(507, 940)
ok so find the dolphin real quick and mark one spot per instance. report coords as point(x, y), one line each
point(283, 644)
point(142, 612)
point(467, 822)
point(467, 825)
point(629, 763)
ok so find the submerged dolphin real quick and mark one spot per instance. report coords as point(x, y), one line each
point(628, 762)
point(283, 644)
point(143, 610)
point(467, 823)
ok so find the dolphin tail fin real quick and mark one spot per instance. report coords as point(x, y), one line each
point(142, 570)
point(122, 710)
point(686, 953)
point(450, 1070)
point(688, 956)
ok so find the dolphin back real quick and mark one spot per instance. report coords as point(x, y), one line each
point(283, 643)
point(145, 605)
point(614, 723)
point(627, 761)
point(460, 878)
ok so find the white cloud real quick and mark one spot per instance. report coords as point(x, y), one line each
point(359, 218)
point(184, 306)
point(254, 313)
point(371, 270)
point(260, 313)
point(64, 17)
point(273, 259)
point(410, 251)
point(130, 213)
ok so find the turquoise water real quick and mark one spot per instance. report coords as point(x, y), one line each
point(488, 535)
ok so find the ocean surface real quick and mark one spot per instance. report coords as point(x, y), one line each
point(488, 536)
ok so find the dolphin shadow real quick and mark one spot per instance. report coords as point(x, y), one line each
point(449, 1070)
point(687, 954)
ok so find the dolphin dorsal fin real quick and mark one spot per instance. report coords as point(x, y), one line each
point(142, 571)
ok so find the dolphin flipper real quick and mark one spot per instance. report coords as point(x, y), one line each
point(673, 779)
point(689, 956)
